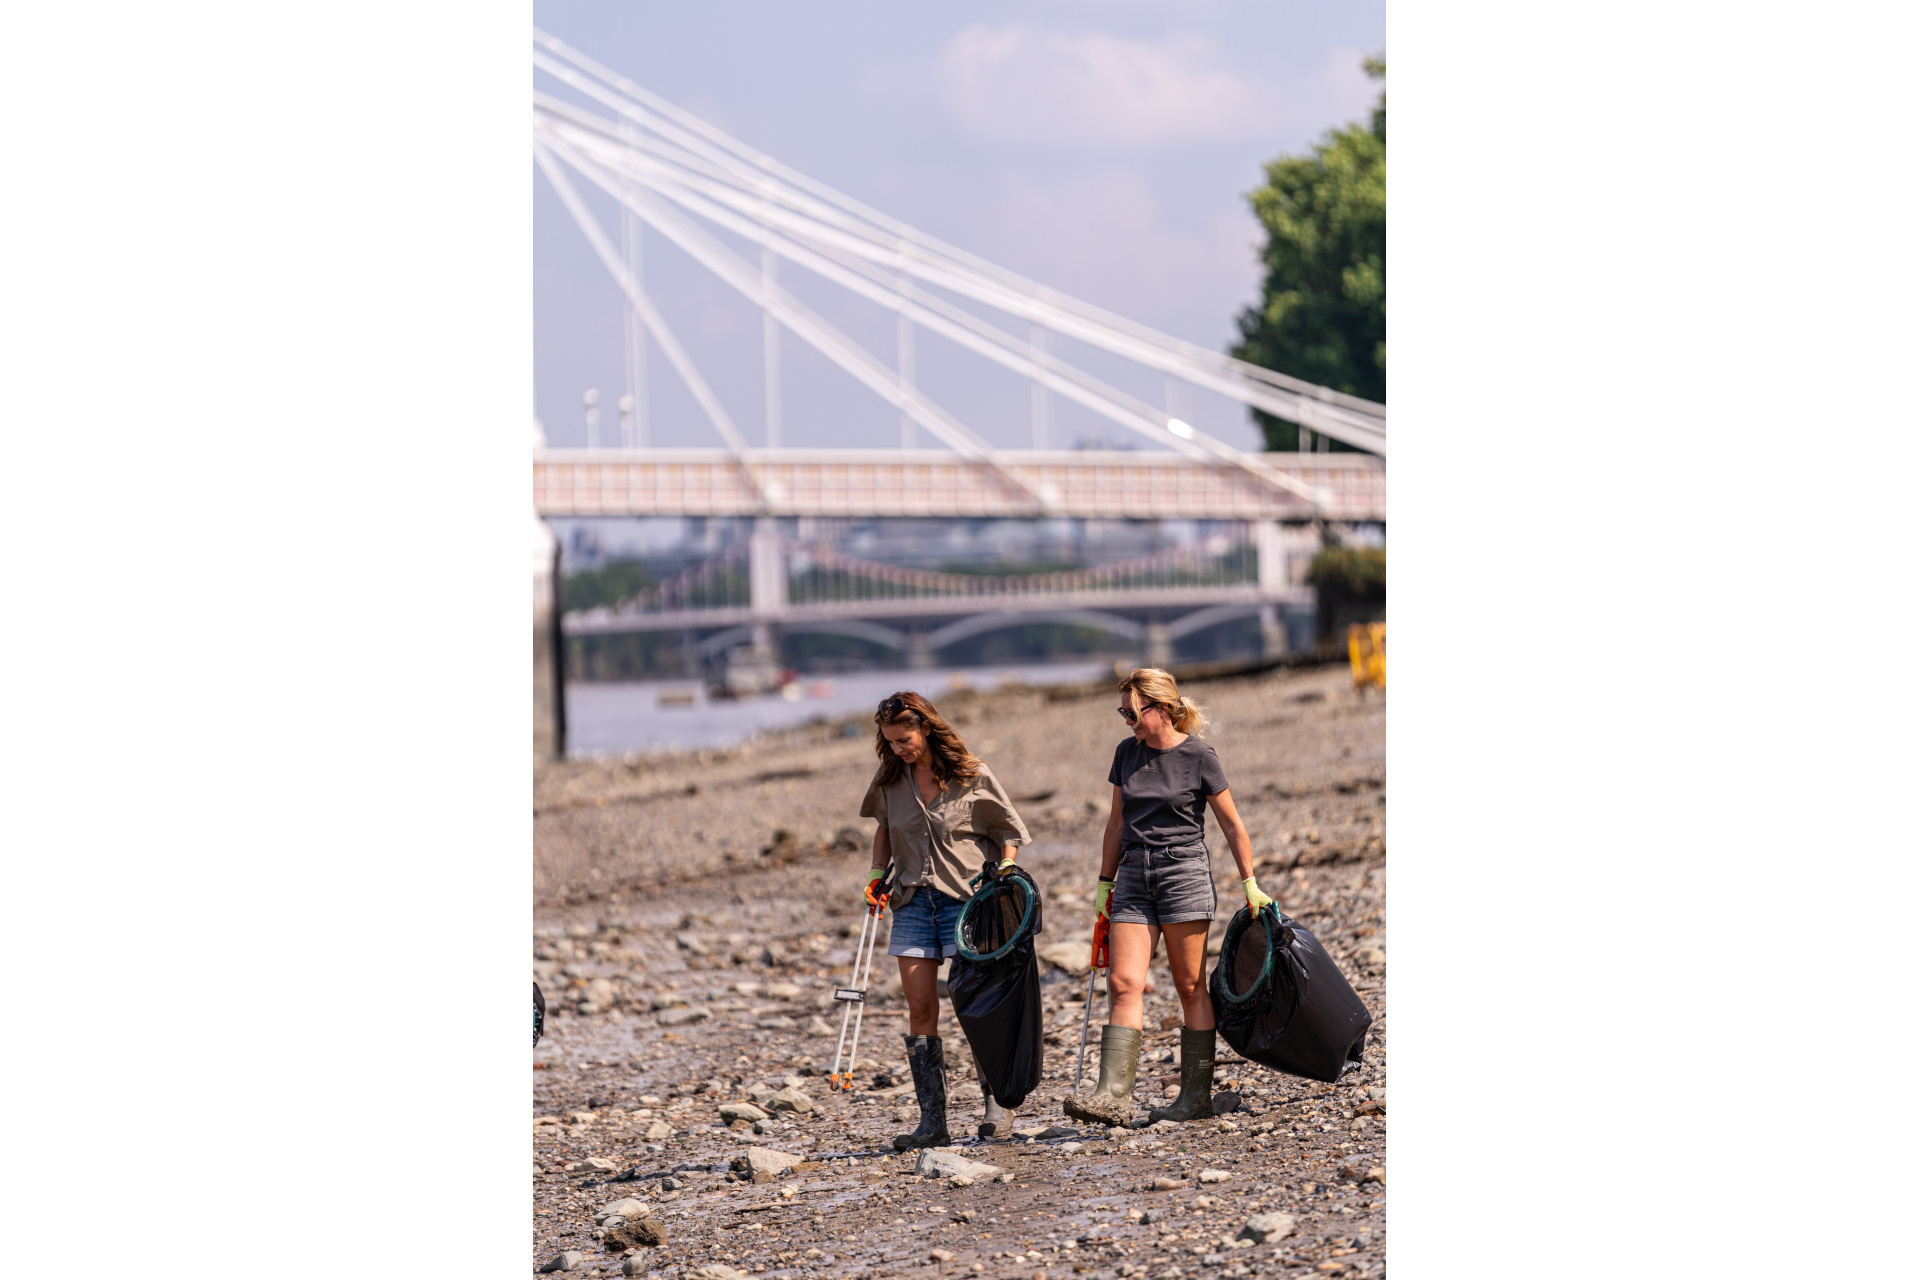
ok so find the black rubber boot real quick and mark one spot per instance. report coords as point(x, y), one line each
point(928, 1062)
point(996, 1121)
point(1196, 1079)
point(1111, 1102)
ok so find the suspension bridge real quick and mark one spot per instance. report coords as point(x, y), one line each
point(674, 176)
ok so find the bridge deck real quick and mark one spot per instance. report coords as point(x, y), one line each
point(883, 482)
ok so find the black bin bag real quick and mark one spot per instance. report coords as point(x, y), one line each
point(1280, 1001)
point(995, 983)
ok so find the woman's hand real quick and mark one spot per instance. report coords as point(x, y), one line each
point(1256, 900)
point(874, 876)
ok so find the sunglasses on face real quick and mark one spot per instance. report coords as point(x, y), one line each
point(1130, 717)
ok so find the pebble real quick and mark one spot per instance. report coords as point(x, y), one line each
point(717, 1271)
point(936, 1162)
point(959, 1180)
point(659, 1131)
point(635, 1266)
point(1214, 1175)
point(596, 1164)
point(791, 1099)
point(1171, 1184)
point(1262, 1227)
point(1057, 1131)
point(741, 1111)
point(941, 1255)
point(682, 1016)
point(774, 1024)
point(691, 942)
point(818, 1026)
point(562, 1262)
point(783, 990)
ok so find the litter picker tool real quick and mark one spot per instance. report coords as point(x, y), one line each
point(1098, 960)
point(854, 994)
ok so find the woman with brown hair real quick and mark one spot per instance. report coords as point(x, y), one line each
point(1156, 880)
point(943, 816)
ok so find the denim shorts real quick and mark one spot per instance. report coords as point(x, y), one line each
point(1170, 884)
point(924, 927)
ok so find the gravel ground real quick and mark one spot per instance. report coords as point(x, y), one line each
point(693, 913)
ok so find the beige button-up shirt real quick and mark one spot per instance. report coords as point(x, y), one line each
point(944, 843)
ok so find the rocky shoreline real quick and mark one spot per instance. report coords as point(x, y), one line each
point(695, 911)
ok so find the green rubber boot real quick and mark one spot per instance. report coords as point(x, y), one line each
point(1196, 1079)
point(1111, 1102)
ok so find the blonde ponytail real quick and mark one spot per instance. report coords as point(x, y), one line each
point(1188, 716)
point(1151, 684)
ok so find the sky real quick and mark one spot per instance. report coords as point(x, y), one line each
point(1101, 149)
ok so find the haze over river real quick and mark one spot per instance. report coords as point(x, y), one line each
point(612, 719)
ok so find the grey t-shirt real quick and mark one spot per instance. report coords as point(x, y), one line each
point(1163, 794)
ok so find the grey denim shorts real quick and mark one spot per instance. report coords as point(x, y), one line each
point(1170, 884)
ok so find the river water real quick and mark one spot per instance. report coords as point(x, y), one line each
point(613, 719)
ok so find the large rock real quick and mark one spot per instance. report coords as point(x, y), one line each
point(940, 1162)
point(626, 1233)
point(682, 1016)
point(563, 1261)
point(791, 1099)
point(741, 1111)
point(627, 1208)
point(1074, 957)
point(1262, 1227)
point(764, 1160)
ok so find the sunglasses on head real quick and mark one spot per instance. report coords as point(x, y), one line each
point(892, 708)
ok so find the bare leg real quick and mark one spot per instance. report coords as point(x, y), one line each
point(1187, 956)
point(1130, 949)
point(920, 977)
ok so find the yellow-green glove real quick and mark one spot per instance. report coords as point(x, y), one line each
point(1006, 865)
point(874, 877)
point(1255, 899)
point(1103, 900)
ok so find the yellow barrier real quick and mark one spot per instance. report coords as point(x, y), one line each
point(1367, 652)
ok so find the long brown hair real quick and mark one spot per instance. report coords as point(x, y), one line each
point(1156, 686)
point(950, 757)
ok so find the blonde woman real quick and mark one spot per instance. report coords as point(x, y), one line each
point(1156, 881)
point(943, 817)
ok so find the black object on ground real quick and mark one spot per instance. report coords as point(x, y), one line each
point(995, 984)
point(1279, 999)
point(539, 1014)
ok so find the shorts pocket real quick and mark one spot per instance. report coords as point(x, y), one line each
point(1188, 853)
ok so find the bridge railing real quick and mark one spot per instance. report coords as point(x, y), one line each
point(818, 576)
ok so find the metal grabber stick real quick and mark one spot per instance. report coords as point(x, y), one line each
point(854, 994)
point(1097, 961)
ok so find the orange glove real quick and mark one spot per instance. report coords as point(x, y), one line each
point(1102, 922)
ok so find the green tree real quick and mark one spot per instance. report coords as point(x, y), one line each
point(610, 584)
point(1322, 313)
